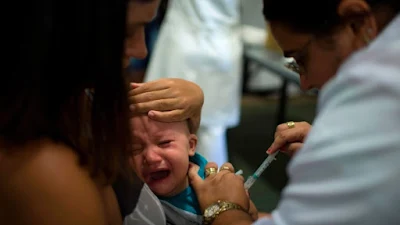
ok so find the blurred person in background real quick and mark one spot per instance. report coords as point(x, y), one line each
point(137, 67)
point(200, 41)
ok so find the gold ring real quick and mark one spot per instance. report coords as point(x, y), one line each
point(210, 171)
point(290, 124)
point(224, 168)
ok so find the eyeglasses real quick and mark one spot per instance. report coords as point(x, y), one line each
point(300, 58)
point(293, 66)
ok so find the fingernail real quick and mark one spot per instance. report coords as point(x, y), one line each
point(151, 114)
point(269, 151)
point(132, 107)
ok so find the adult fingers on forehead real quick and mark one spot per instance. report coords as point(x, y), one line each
point(168, 116)
point(149, 96)
point(148, 87)
point(157, 105)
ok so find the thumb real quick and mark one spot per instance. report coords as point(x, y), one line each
point(193, 174)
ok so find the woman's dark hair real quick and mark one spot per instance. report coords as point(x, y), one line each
point(57, 50)
point(314, 16)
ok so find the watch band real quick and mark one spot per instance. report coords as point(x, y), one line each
point(216, 209)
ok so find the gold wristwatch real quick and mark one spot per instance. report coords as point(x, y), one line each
point(217, 208)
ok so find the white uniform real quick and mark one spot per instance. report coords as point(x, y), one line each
point(348, 171)
point(200, 41)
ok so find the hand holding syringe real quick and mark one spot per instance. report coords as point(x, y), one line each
point(250, 181)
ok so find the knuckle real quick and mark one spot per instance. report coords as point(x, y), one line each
point(276, 134)
point(163, 104)
point(179, 102)
point(228, 164)
point(149, 96)
point(282, 136)
point(142, 89)
point(170, 82)
point(131, 93)
point(176, 92)
point(303, 124)
point(281, 127)
point(138, 107)
point(303, 133)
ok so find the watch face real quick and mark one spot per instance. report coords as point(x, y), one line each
point(210, 211)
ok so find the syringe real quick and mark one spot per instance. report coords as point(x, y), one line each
point(250, 181)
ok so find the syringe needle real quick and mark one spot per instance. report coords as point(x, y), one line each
point(264, 165)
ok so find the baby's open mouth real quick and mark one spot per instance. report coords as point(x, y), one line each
point(159, 175)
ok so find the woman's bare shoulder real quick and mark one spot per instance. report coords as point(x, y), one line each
point(44, 184)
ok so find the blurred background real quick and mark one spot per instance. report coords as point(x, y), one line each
point(269, 92)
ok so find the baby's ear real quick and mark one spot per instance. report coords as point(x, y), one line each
point(192, 144)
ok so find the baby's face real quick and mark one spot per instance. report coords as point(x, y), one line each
point(162, 153)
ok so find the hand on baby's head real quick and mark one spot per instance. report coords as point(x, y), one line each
point(162, 153)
